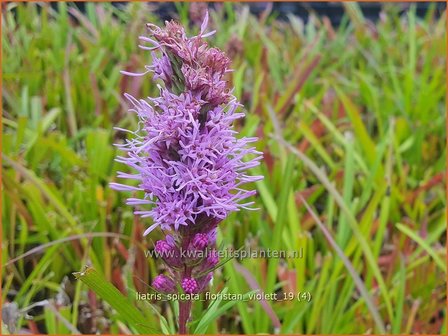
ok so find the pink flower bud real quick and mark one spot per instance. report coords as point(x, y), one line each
point(189, 285)
point(168, 250)
point(200, 241)
point(164, 284)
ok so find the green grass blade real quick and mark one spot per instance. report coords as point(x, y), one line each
point(423, 244)
point(118, 301)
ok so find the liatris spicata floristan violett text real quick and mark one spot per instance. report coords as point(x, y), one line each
point(188, 163)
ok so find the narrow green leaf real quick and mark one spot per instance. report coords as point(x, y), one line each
point(423, 244)
point(118, 301)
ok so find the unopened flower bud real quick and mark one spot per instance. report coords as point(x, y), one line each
point(169, 252)
point(200, 241)
point(189, 285)
point(164, 284)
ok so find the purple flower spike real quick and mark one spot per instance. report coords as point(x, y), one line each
point(164, 284)
point(189, 166)
point(189, 285)
point(187, 159)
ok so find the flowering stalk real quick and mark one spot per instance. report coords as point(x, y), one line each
point(188, 162)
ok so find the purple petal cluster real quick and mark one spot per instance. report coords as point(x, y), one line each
point(188, 162)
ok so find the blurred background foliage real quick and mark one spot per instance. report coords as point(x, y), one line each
point(362, 105)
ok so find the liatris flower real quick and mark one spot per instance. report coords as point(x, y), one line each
point(188, 162)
